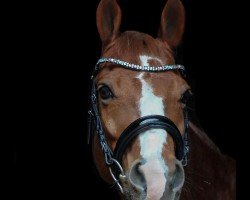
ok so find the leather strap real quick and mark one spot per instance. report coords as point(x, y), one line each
point(145, 123)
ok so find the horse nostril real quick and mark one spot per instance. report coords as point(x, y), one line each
point(178, 177)
point(136, 176)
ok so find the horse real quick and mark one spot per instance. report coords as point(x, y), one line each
point(143, 138)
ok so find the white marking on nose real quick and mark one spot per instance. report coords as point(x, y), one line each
point(152, 141)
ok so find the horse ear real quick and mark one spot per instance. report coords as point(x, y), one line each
point(172, 22)
point(108, 20)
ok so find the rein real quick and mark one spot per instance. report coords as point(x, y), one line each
point(114, 159)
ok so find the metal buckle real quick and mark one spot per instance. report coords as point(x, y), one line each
point(120, 175)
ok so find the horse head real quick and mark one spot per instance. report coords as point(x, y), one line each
point(148, 101)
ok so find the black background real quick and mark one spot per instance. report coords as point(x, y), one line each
point(59, 45)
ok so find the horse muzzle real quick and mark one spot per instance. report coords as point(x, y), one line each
point(144, 180)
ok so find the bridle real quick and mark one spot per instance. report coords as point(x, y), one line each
point(114, 158)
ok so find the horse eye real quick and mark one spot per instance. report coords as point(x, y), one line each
point(186, 97)
point(105, 92)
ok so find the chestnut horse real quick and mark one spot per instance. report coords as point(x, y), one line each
point(143, 138)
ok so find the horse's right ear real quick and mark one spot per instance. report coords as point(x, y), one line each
point(108, 20)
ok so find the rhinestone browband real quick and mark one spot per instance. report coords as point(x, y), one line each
point(139, 67)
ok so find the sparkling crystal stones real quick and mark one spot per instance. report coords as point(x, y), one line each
point(139, 67)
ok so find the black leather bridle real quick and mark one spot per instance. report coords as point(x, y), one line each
point(114, 158)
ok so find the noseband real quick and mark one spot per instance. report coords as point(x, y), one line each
point(113, 159)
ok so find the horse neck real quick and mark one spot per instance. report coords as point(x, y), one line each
point(208, 170)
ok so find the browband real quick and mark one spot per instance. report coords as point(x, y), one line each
point(135, 67)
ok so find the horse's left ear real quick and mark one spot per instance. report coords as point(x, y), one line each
point(172, 22)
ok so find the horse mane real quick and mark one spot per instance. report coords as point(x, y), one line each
point(196, 127)
point(203, 136)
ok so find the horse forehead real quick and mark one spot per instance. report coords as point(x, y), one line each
point(146, 60)
point(124, 79)
point(117, 75)
point(127, 79)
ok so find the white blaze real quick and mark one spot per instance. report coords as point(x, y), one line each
point(144, 60)
point(152, 141)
